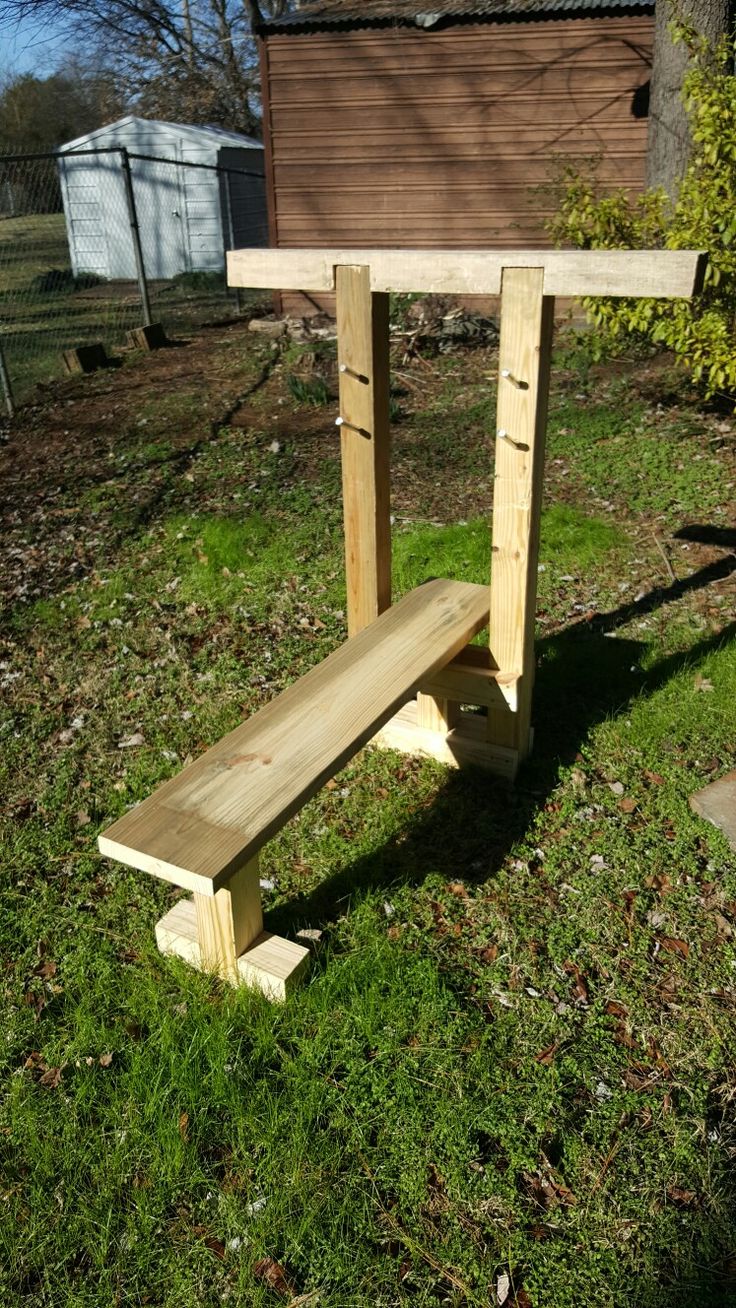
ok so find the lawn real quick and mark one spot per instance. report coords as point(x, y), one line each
point(44, 310)
point(509, 1078)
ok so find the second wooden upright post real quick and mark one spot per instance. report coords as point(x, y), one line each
point(521, 421)
point(363, 358)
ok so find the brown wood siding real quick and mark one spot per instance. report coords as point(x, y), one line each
point(396, 137)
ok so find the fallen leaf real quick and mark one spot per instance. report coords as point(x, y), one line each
point(653, 778)
point(130, 742)
point(674, 946)
point(503, 1286)
point(51, 1078)
point(546, 1056)
point(273, 1275)
point(580, 985)
point(723, 925)
point(615, 1009)
point(640, 1078)
point(457, 888)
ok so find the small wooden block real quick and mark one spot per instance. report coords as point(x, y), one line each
point(717, 804)
point(86, 358)
point(270, 964)
point(464, 745)
point(273, 965)
point(152, 337)
point(271, 327)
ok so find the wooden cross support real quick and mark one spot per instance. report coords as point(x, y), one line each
point(407, 674)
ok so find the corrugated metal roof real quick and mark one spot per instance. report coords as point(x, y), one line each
point(429, 13)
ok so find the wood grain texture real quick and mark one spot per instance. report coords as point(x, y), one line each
point(471, 679)
point(437, 712)
point(652, 273)
point(271, 964)
point(229, 921)
point(466, 744)
point(483, 102)
point(204, 824)
point(521, 415)
point(176, 933)
point(363, 349)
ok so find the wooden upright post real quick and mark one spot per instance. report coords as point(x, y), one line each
point(229, 921)
point(362, 335)
point(523, 388)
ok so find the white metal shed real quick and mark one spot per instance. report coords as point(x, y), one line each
point(188, 216)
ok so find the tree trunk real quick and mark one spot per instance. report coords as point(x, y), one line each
point(669, 142)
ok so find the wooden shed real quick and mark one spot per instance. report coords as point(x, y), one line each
point(441, 122)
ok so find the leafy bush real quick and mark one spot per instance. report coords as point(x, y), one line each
point(308, 390)
point(58, 281)
point(699, 331)
point(201, 281)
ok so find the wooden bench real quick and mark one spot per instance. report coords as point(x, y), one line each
point(203, 829)
point(405, 672)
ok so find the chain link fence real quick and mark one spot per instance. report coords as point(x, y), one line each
point(96, 242)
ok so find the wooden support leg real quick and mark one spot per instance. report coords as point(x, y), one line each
point(363, 357)
point(223, 933)
point(228, 922)
point(437, 714)
point(523, 388)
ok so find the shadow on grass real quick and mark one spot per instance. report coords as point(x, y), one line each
point(471, 826)
point(475, 819)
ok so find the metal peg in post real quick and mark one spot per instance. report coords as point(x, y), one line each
point(343, 422)
point(350, 372)
point(503, 435)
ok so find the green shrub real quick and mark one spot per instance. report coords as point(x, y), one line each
point(699, 331)
point(309, 390)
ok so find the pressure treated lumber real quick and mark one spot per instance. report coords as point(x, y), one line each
point(269, 964)
point(470, 678)
point(465, 744)
point(204, 824)
point(363, 359)
point(228, 922)
point(525, 348)
point(651, 273)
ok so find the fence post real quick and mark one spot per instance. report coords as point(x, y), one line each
point(136, 236)
point(230, 232)
point(5, 384)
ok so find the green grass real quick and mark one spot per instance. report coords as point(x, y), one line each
point(45, 311)
point(514, 1052)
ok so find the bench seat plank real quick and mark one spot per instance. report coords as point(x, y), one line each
point(202, 825)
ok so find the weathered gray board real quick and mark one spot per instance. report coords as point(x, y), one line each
point(717, 804)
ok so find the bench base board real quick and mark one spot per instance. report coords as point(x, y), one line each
point(465, 744)
point(271, 964)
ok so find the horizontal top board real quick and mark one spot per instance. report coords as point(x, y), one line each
point(639, 273)
point(202, 825)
